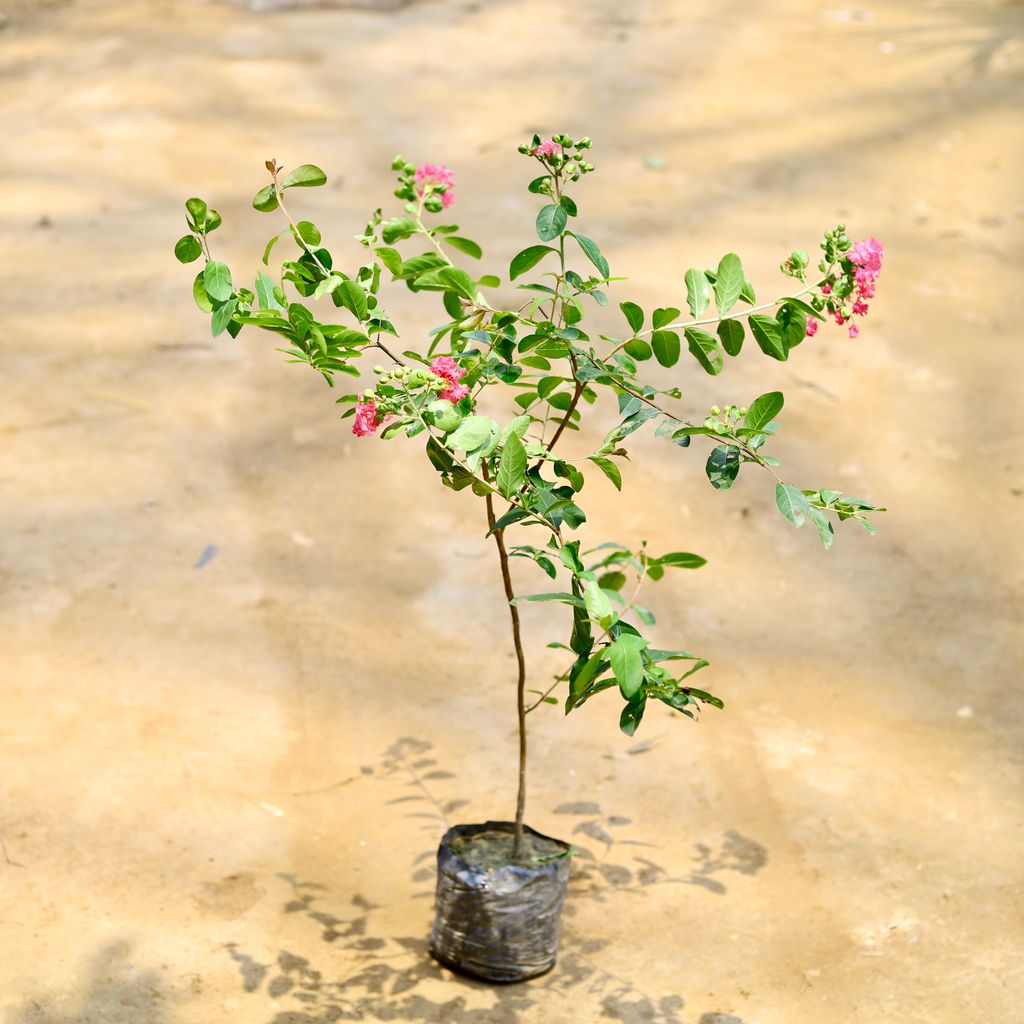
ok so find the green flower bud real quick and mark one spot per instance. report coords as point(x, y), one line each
point(443, 415)
point(715, 410)
point(378, 368)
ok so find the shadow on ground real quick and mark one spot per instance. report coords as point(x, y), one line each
point(116, 992)
point(394, 979)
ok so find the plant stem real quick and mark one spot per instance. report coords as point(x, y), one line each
point(517, 641)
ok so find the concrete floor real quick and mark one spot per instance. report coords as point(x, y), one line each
point(205, 765)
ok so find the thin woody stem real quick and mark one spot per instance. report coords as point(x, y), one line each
point(517, 641)
point(735, 442)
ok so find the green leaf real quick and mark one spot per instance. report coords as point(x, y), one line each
point(722, 467)
point(632, 714)
point(638, 349)
point(266, 199)
point(512, 468)
point(705, 350)
point(353, 298)
point(472, 433)
point(551, 222)
point(666, 347)
point(767, 333)
point(270, 245)
point(698, 295)
point(526, 259)
point(612, 581)
point(265, 293)
point(187, 249)
point(599, 605)
point(634, 315)
point(199, 294)
point(466, 245)
point(661, 317)
point(792, 503)
point(328, 284)
point(308, 232)
point(609, 469)
point(823, 525)
point(793, 322)
point(458, 281)
point(560, 598)
point(304, 176)
point(396, 229)
point(217, 278)
point(805, 306)
point(196, 209)
point(626, 662)
point(728, 282)
point(731, 334)
point(391, 258)
point(593, 253)
point(680, 560)
point(222, 315)
point(763, 410)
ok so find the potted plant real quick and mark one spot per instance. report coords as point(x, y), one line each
point(500, 884)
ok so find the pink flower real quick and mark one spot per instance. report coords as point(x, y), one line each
point(812, 328)
point(454, 392)
point(367, 418)
point(866, 256)
point(547, 148)
point(448, 370)
point(854, 330)
point(439, 176)
point(826, 289)
point(860, 307)
point(840, 319)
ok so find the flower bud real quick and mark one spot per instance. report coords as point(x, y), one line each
point(443, 415)
point(715, 410)
point(378, 368)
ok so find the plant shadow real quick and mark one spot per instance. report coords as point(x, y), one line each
point(390, 978)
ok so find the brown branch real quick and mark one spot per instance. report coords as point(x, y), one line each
point(517, 640)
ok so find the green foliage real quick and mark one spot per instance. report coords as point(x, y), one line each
point(541, 354)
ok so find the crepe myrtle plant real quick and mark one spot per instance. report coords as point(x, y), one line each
point(528, 345)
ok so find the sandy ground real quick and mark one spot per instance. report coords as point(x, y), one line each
point(205, 763)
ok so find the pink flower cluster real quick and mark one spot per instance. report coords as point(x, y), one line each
point(439, 175)
point(547, 148)
point(863, 266)
point(367, 419)
point(449, 371)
